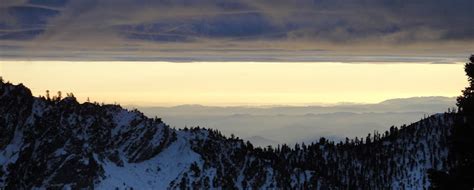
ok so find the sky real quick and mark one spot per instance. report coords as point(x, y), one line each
point(237, 52)
point(237, 30)
point(236, 83)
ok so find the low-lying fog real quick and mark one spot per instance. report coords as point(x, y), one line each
point(290, 124)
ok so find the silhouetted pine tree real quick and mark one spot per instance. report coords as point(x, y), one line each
point(461, 176)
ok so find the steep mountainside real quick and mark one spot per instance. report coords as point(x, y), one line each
point(59, 143)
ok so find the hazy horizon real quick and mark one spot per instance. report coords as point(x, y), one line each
point(294, 124)
point(236, 83)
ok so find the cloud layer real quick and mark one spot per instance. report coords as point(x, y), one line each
point(235, 29)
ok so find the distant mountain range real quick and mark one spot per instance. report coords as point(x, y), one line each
point(414, 104)
point(296, 124)
point(58, 143)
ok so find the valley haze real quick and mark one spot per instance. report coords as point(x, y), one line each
point(272, 125)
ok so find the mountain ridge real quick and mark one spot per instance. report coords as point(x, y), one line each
point(59, 143)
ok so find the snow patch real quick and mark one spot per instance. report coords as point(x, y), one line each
point(156, 173)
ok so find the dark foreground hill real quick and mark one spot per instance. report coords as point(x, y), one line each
point(59, 143)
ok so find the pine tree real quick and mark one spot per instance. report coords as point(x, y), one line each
point(47, 95)
point(463, 134)
point(465, 102)
point(461, 176)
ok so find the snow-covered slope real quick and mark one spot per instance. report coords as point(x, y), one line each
point(156, 172)
point(59, 143)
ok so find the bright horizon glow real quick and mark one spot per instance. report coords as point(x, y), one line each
point(236, 83)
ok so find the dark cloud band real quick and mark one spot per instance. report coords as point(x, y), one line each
point(141, 26)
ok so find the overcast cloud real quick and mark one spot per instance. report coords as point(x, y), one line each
point(442, 31)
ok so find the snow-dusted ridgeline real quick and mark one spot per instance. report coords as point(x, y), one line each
point(60, 143)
